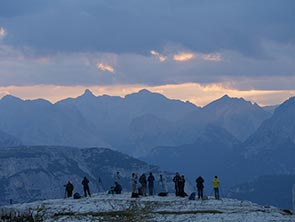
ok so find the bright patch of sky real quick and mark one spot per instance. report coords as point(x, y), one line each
point(3, 32)
point(182, 57)
point(158, 55)
point(105, 67)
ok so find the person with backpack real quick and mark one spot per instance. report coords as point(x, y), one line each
point(200, 187)
point(143, 182)
point(151, 180)
point(85, 183)
point(69, 189)
point(176, 180)
point(216, 187)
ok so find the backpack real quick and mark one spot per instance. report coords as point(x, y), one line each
point(192, 196)
point(163, 194)
point(134, 195)
point(77, 196)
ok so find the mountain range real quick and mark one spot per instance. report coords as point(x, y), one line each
point(134, 124)
point(230, 137)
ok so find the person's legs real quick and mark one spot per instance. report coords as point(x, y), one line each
point(199, 193)
point(202, 193)
point(85, 194)
point(216, 193)
point(70, 193)
point(133, 188)
point(88, 191)
point(151, 190)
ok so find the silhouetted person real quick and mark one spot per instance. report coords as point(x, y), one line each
point(181, 186)
point(134, 182)
point(216, 187)
point(85, 183)
point(69, 189)
point(151, 180)
point(143, 182)
point(200, 187)
point(176, 180)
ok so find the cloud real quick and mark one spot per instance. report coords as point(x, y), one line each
point(182, 57)
point(26, 67)
point(214, 57)
point(158, 56)
point(105, 67)
point(128, 27)
point(3, 32)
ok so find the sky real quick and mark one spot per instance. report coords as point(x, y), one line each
point(195, 50)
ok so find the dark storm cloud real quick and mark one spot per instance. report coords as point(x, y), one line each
point(139, 26)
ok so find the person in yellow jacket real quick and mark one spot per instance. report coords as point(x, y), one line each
point(216, 187)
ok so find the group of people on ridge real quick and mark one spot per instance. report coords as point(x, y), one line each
point(179, 182)
point(147, 184)
point(200, 187)
point(70, 188)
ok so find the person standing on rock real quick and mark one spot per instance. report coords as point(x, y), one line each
point(143, 182)
point(176, 181)
point(200, 187)
point(181, 186)
point(216, 187)
point(85, 183)
point(134, 182)
point(69, 189)
point(151, 180)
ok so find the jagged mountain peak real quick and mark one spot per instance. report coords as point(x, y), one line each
point(11, 98)
point(87, 93)
point(231, 103)
point(227, 99)
point(144, 91)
